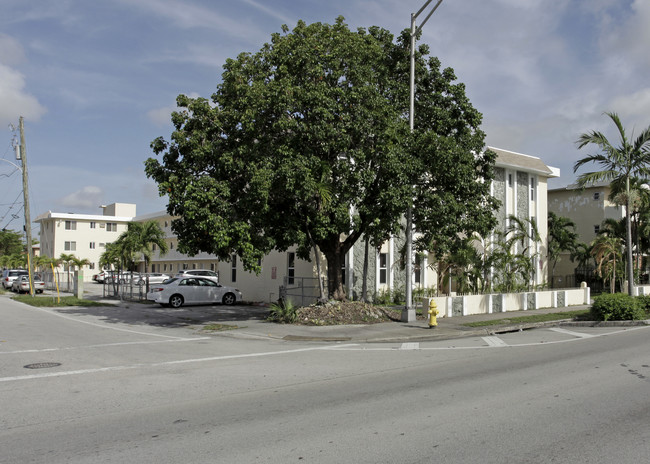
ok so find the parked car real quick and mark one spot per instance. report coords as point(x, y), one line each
point(178, 291)
point(9, 275)
point(154, 278)
point(101, 277)
point(21, 284)
point(197, 272)
point(122, 278)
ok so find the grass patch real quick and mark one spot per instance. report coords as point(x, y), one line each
point(579, 315)
point(218, 327)
point(49, 301)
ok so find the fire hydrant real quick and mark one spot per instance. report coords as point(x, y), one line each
point(433, 312)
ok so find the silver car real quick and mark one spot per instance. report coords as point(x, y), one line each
point(21, 284)
point(189, 290)
point(154, 278)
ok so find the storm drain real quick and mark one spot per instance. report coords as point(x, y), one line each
point(41, 365)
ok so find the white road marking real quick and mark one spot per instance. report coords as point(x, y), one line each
point(104, 326)
point(572, 333)
point(45, 350)
point(410, 346)
point(165, 363)
point(494, 341)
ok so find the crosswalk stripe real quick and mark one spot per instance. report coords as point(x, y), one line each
point(572, 333)
point(494, 341)
point(410, 346)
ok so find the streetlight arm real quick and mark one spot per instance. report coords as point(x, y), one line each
point(415, 15)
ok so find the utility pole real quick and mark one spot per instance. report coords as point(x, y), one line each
point(28, 219)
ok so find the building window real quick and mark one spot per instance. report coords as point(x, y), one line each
point(165, 267)
point(509, 180)
point(70, 225)
point(383, 268)
point(70, 246)
point(91, 266)
point(171, 245)
point(212, 266)
point(93, 224)
point(111, 226)
point(596, 229)
point(418, 267)
point(233, 269)
point(597, 196)
point(92, 245)
point(193, 265)
point(102, 245)
point(153, 247)
point(291, 267)
point(185, 266)
point(532, 189)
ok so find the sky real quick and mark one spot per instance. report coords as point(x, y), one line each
point(96, 81)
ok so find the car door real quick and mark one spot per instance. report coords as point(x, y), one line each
point(188, 287)
point(210, 290)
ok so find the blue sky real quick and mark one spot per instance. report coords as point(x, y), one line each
point(96, 81)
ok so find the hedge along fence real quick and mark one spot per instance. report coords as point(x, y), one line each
point(468, 305)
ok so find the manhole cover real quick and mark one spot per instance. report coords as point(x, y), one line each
point(41, 365)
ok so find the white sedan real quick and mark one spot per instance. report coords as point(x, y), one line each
point(178, 291)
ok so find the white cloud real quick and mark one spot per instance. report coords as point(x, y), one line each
point(11, 52)
point(14, 100)
point(88, 197)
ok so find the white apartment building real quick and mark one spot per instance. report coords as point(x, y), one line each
point(83, 235)
point(520, 185)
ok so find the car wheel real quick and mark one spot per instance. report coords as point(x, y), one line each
point(140, 283)
point(39, 291)
point(228, 299)
point(176, 301)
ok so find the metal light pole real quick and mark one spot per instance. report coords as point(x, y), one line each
point(408, 314)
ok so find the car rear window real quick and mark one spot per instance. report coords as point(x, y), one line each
point(17, 273)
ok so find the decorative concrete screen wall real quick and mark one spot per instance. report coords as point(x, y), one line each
point(497, 303)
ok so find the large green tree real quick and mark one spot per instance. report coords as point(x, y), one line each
point(619, 164)
point(319, 109)
point(11, 243)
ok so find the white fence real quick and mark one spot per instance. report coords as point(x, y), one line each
point(467, 305)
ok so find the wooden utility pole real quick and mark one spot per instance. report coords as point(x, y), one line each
point(28, 219)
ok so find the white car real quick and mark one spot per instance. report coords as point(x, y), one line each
point(9, 275)
point(21, 284)
point(178, 291)
point(154, 278)
point(197, 272)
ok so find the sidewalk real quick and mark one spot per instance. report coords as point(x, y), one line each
point(250, 322)
point(448, 328)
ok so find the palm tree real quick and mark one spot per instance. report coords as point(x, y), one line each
point(67, 259)
point(606, 251)
point(562, 237)
point(142, 235)
point(619, 165)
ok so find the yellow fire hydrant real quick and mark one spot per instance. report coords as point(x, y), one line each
point(433, 312)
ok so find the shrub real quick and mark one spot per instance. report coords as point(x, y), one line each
point(644, 301)
point(617, 307)
point(283, 312)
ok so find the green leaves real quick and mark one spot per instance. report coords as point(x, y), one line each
point(306, 142)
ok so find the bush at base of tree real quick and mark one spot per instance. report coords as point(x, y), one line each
point(284, 312)
point(617, 307)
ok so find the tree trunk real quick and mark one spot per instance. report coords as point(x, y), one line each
point(364, 285)
point(334, 282)
point(630, 269)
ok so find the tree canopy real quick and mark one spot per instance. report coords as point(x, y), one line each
point(307, 142)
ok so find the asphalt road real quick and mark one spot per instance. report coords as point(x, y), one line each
point(151, 393)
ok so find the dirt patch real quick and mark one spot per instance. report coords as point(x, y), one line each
point(340, 313)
